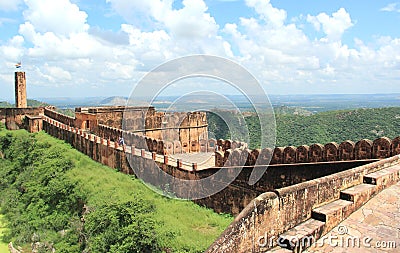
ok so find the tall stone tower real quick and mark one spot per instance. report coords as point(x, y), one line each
point(20, 90)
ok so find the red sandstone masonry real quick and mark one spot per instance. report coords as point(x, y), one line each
point(273, 213)
point(2, 114)
point(347, 151)
point(67, 120)
point(150, 144)
point(15, 117)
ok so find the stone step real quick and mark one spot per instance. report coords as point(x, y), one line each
point(359, 194)
point(333, 213)
point(301, 236)
point(384, 177)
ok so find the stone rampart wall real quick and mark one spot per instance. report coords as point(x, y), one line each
point(67, 120)
point(346, 151)
point(15, 117)
point(150, 144)
point(272, 213)
point(237, 194)
point(2, 113)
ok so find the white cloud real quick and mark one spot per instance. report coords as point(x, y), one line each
point(392, 7)
point(13, 50)
point(273, 16)
point(139, 11)
point(191, 21)
point(58, 47)
point(333, 26)
point(57, 72)
point(60, 17)
point(52, 46)
point(3, 21)
point(10, 5)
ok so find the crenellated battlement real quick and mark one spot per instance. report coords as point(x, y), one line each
point(346, 151)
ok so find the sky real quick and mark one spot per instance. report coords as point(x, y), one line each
point(86, 48)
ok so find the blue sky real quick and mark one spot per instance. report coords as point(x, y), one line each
point(80, 48)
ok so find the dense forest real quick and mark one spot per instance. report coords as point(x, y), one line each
point(54, 197)
point(324, 127)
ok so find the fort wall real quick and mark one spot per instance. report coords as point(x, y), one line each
point(67, 120)
point(273, 213)
point(3, 115)
point(346, 151)
point(15, 117)
point(148, 154)
point(237, 195)
point(148, 143)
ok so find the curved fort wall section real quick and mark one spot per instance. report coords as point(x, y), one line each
point(346, 151)
point(289, 166)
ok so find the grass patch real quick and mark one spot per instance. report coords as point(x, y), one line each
point(136, 210)
point(3, 245)
point(182, 226)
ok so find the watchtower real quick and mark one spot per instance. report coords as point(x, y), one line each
point(20, 90)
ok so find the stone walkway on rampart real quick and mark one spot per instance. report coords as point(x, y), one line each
point(204, 160)
point(375, 227)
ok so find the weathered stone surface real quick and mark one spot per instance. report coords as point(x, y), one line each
point(347, 151)
point(236, 157)
point(381, 148)
point(265, 156)
point(20, 90)
point(331, 152)
point(254, 156)
point(363, 149)
point(245, 157)
point(219, 159)
point(302, 154)
point(277, 156)
point(292, 205)
point(227, 144)
point(289, 155)
point(395, 147)
point(316, 153)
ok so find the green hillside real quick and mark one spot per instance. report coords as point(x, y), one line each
point(52, 194)
point(338, 126)
point(30, 102)
point(324, 127)
point(3, 245)
point(4, 104)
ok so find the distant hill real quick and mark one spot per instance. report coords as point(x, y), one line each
point(31, 103)
point(116, 100)
point(36, 103)
point(4, 104)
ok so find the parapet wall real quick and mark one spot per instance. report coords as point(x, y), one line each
point(15, 117)
point(346, 151)
point(154, 145)
point(3, 115)
point(67, 120)
point(272, 213)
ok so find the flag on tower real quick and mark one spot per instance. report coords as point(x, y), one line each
point(18, 65)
